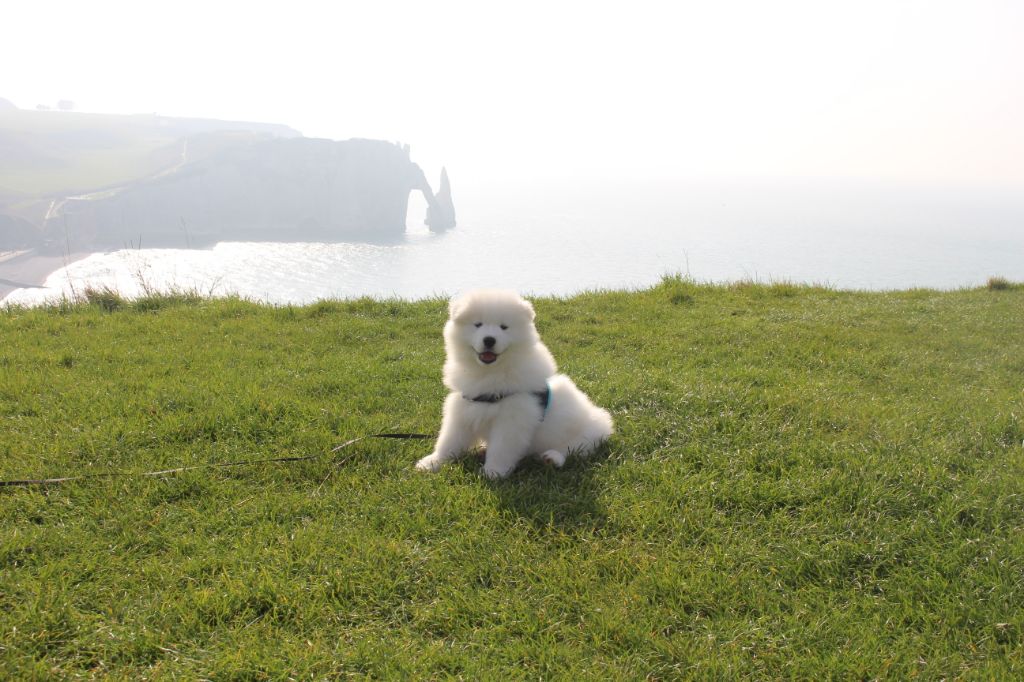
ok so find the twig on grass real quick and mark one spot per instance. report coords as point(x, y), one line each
point(212, 465)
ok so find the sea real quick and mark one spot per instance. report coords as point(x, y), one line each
point(559, 239)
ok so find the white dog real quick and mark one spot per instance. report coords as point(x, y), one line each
point(505, 393)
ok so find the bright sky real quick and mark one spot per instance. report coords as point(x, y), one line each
point(928, 91)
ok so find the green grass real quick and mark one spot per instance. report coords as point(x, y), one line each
point(805, 483)
point(1001, 284)
point(47, 155)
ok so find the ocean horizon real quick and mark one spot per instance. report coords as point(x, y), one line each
point(560, 241)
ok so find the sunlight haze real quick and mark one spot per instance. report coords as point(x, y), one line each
point(906, 92)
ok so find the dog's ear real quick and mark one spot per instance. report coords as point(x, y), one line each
point(529, 309)
point(455, 306)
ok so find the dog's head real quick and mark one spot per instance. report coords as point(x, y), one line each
point(484, 325)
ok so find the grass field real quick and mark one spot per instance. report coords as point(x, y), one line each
point(52, 154)
point(804, 484)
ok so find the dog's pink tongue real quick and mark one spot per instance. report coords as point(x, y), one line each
point(488, 356)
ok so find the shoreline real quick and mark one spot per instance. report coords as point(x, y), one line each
point(30, 269)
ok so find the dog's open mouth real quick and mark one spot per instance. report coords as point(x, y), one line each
point(487, 357)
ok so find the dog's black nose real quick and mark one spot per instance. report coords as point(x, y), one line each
point(488, 342)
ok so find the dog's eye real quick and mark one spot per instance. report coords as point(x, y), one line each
point(504, 326)
point(478, 324)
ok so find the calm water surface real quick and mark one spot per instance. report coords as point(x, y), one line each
point(540, 241)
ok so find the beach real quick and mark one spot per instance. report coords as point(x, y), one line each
point(29, 269)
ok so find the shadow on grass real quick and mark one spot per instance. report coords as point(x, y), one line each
point(566, 498)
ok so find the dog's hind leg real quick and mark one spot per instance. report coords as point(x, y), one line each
point(579, 447)
point(593, 435)
point(552, 457)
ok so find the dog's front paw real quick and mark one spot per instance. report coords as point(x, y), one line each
point(431, 462)
point(495, 473)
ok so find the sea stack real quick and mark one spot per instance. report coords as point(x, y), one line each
point(441, 211)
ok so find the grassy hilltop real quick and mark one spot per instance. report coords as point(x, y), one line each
point(56, 153)
point(805, 483)
point(48, 156)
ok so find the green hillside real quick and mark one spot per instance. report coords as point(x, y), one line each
point(48, 153)
point(804, 484)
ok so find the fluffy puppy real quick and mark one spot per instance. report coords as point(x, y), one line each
point(505, 393)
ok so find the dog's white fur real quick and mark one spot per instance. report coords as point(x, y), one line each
point(511, 428)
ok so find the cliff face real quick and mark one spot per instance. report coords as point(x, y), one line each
point(99, 181)
point(255, 188)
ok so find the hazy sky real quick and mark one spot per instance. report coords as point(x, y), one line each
point(917, 92)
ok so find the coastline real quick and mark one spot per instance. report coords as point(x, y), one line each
point(30, 269)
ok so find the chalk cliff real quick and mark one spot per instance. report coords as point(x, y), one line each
point(206, 181)
point(257, 189)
